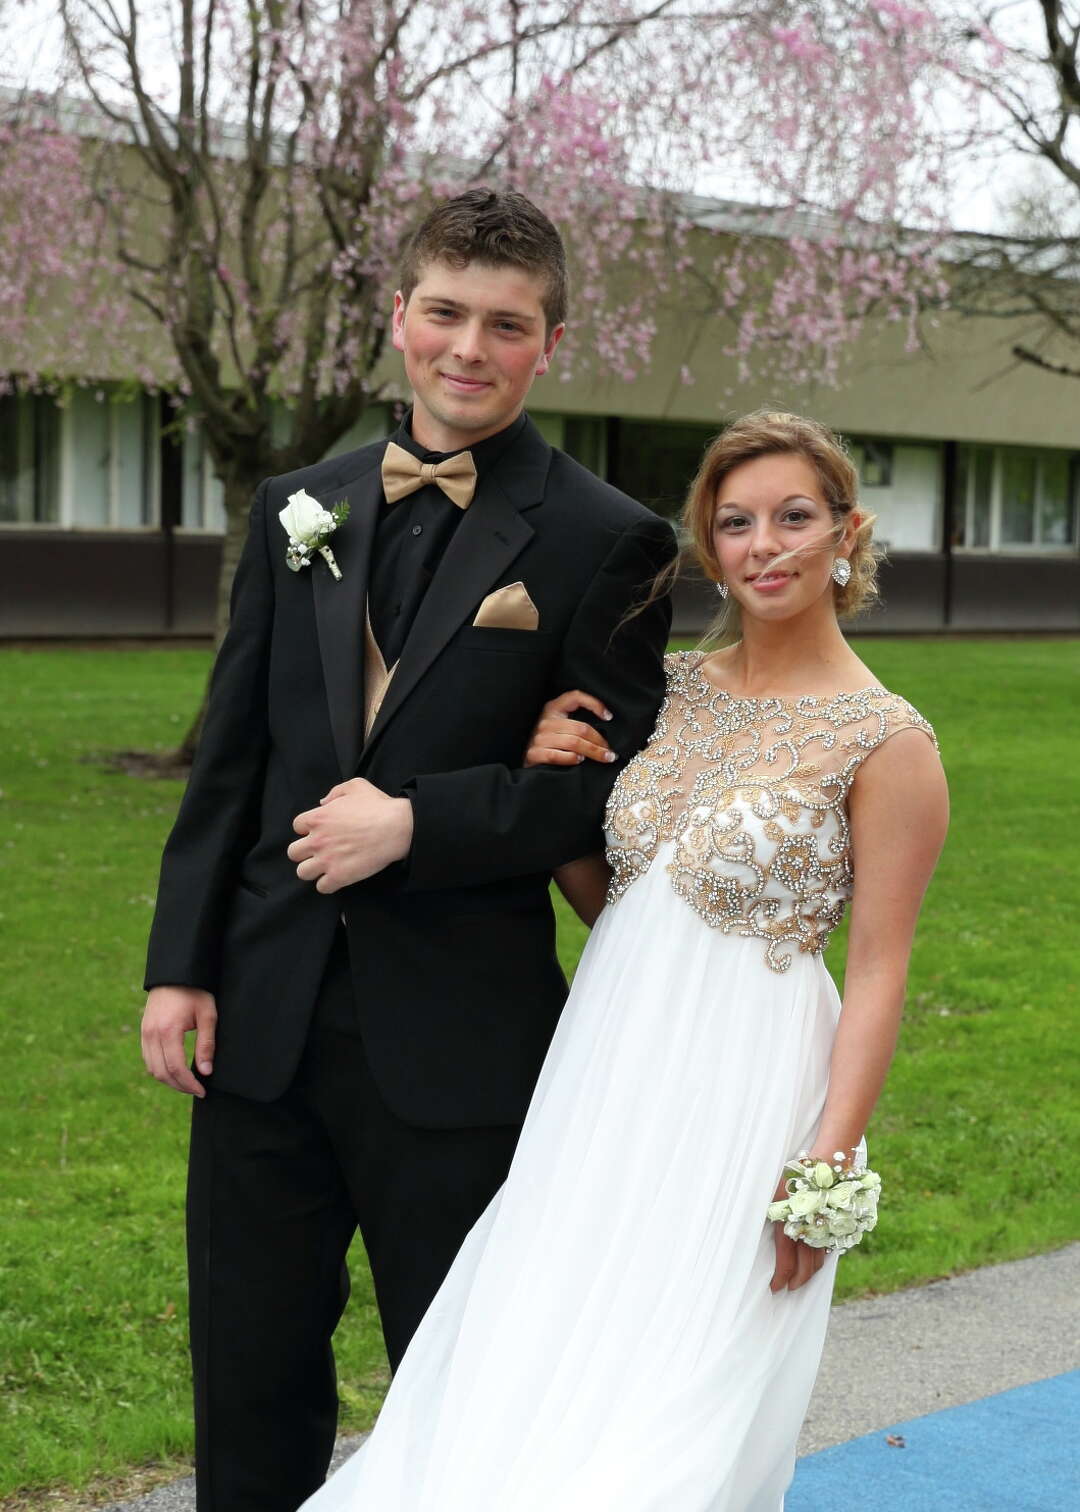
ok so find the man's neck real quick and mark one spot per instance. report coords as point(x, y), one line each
point(427, 432)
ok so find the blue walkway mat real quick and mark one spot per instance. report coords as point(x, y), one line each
point(1016, 1452)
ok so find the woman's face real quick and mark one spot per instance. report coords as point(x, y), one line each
point(772, 511)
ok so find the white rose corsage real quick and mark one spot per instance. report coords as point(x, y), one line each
point(827, 1206)
point(309, 526)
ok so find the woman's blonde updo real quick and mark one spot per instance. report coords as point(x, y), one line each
point(768, 433)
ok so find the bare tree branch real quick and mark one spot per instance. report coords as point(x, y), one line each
point(1060, 369)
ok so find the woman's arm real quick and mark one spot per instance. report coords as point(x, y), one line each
point(899, 812)
point(584, 885)
point(558, 740)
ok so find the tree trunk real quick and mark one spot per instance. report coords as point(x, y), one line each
point(238, 495)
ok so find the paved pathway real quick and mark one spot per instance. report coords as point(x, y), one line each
point(903, 1366)
point(917, 1351)
point(960, 1396)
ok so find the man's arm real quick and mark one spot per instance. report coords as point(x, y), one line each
point(484, 823)
point(487, 822)
point(201, 852)
point(221, 801)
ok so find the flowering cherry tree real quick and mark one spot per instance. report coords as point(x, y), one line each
point(248, 174)
point(41, 179)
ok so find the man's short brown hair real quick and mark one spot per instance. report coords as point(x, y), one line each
point(497, 227)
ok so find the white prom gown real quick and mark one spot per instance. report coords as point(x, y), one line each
point(606, 1340)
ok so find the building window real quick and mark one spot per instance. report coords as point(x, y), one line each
point(202, 495)
point(111, 451)
point(201, 492)
point(1012, 499)
point(585, 439)
point(874, 461)
point(376, 421)
point(551, 427)
point(29, 460)
point(654, 461)
point(900, 483)
point(1057, 502)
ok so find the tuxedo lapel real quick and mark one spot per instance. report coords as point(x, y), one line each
point(339, 612)
point(488, 539)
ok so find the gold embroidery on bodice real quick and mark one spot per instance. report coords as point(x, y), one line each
point(753, 795)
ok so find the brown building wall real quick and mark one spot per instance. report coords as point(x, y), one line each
point(1015, 593)
point(913, 595)
point(914, 598)
point(66, 584)
point(63, 584)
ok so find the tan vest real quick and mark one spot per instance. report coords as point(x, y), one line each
point(376, 676)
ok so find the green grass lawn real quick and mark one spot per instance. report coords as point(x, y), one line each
point(972, 1133)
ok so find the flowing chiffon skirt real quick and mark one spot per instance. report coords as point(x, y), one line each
point(606, 1340)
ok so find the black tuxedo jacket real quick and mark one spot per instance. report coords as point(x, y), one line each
point(452, 951)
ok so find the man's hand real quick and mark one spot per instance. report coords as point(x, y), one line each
point(170, 1013)
point(356, 831)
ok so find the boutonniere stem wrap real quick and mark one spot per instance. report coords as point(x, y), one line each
point(828, 1206)
point(309, 526)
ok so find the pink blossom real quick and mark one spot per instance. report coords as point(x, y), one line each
point(376, 107)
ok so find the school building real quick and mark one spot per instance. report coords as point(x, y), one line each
point(110, 524)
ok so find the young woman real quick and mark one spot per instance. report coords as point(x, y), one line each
point(624, 1329)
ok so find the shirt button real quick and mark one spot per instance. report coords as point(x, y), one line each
point(418, 530)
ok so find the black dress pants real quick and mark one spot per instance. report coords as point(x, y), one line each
point(275, 1194)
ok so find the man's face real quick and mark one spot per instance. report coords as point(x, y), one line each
point(474, 338)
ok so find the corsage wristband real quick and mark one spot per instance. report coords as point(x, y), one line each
point(828, 1206)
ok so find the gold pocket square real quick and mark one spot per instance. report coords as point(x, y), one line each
point(508, 608)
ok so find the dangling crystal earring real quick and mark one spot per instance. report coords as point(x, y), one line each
point(841, 572)
point(722, 590)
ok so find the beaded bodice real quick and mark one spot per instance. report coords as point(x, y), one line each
point(752, 793)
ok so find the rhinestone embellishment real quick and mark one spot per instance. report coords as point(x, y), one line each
point(752, 793)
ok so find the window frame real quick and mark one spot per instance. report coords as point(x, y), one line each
point(37, 472)
point(150, 462)
point(205, 480)
point(996, 546)
point(859, 443)
point(878, 451)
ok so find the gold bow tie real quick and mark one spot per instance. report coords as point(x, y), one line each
point(403, 474)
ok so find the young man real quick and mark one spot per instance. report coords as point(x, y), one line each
point(353, 912)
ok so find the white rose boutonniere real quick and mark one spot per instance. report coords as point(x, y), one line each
point(309, 526)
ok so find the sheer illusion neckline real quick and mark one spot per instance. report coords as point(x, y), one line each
point(699, 672)
point(751, 794)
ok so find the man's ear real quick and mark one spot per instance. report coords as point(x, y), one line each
point(397, 323)
point(544, 361)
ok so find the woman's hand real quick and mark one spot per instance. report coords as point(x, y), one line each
point(558, 740)
point(795, 1262)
